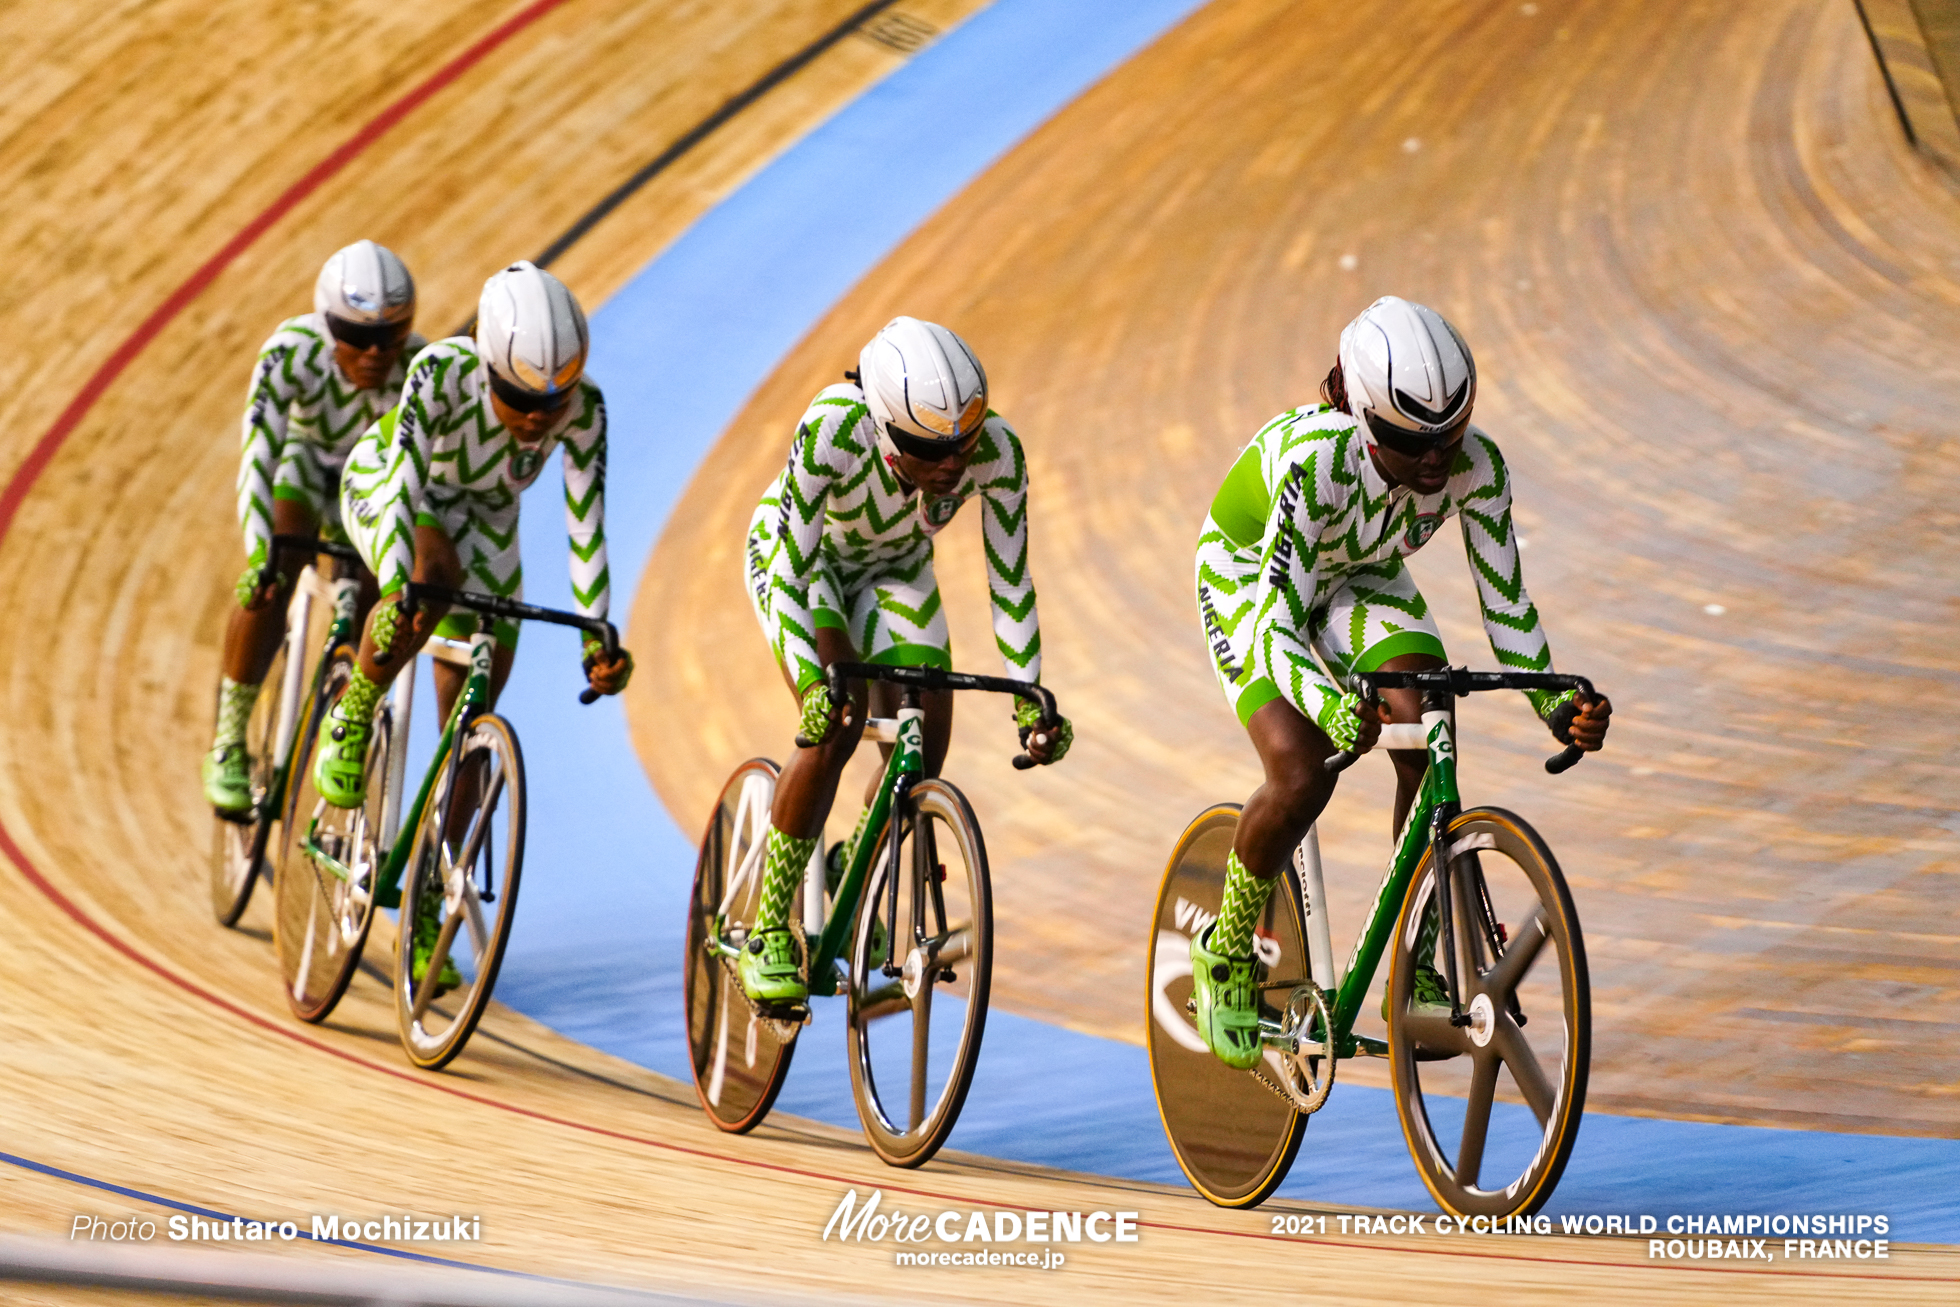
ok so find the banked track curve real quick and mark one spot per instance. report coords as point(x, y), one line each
point(151, 1060)
point(1710, 290)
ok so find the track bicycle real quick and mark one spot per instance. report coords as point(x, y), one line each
point(1473, 892)
point(461, 862)
point(905, 937)
point(239, 844)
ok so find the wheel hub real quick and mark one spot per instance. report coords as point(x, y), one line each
point(914, 971)
point(1483, 1020)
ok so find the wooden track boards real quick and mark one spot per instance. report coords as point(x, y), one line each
point(1713, 298)
point(147, 1047)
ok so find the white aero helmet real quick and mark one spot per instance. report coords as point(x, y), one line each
point(926, 390)
point(1409, 377)
point(531, 331)
point(365, 286)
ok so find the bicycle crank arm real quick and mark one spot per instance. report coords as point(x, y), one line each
point(324, 860)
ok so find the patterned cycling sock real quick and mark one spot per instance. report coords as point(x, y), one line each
point(1427, 933)
point(357, 704)
point(234, 711)
point(783, 862)
point(1245, 899)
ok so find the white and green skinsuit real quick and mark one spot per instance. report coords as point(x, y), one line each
point(441, 458)
point(839, 541)
point(1302, 553)
point(302, 418)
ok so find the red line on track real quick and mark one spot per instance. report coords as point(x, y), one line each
point(37, 460)
point(113, 367)
point(150, 964)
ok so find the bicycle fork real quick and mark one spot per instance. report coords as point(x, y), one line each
point(1439, 729)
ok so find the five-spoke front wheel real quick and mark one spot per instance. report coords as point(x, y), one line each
point(460, 894)
point(921, 964)
point(1490, 1108)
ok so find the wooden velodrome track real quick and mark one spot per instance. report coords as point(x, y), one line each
point(1712, 296)
point(1727, 303)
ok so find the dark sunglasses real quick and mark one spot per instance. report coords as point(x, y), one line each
point(1414, 444)
point(368, 335)
point(928, 451)
point(527, 401)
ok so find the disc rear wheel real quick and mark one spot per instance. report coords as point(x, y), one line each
point(1491, 1109)
point(1234, 1137)
point(324, 892)
point(739, 1056)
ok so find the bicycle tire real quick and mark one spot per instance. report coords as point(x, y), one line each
point(1234, 1138)
point(949, 919)
point(1500, 869)
point(735, 1091)
point(238, 848)
point(445, 865)
point(320, 919)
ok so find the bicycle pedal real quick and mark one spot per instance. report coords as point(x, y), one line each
point(948, 975)
point(794, 1014)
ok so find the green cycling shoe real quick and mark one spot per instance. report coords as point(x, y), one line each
point(340, 765)
point(228, 782)
point(772, 967)
point(1431, 990)
point(1226, 999)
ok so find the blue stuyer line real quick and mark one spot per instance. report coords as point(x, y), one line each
point(597, 947)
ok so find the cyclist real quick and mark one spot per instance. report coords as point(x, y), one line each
point(840, 570)
point(1302, 554)
point(320, 380)
point(431, 493)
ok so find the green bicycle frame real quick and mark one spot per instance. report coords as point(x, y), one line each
point(1426, 830)
point(906, 764)
point(468, 706)
point(1435, 807)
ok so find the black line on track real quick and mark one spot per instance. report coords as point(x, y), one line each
point(700, 132)
point(666, 159)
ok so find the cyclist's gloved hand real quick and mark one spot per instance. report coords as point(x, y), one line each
point(1350, 724)
point(1575, 723)
point(257, 586)
point(604, 676)
point(1046, 746)
point(819, 719)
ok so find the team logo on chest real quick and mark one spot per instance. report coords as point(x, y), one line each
point(1421, 528)
point(938, 512)
point(525, 462)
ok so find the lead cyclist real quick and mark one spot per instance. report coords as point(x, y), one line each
point(320, 381)
point(840, 569)
point(1302, 554)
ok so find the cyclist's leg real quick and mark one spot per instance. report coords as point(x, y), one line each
point(899, 621)
point(252, 636)
point(389, 642)
point(1275, 818)
point(1379, 622)
point(772, 966)
point(487, 560)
